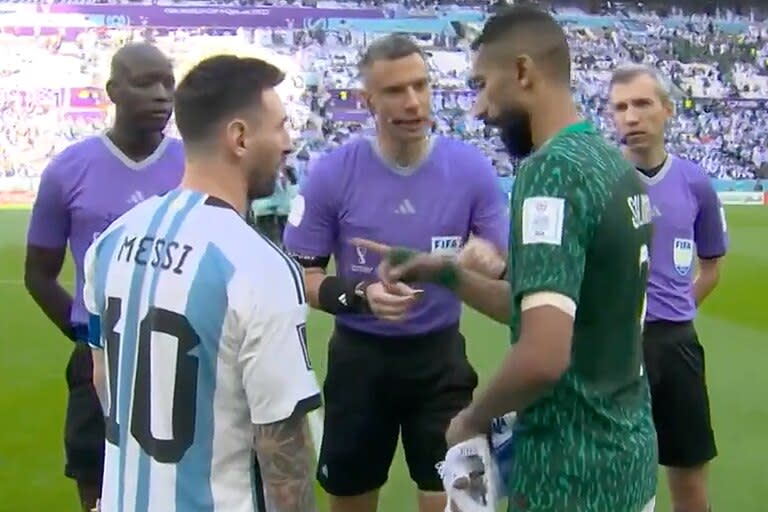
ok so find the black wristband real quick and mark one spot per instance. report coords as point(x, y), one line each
point(337, 296)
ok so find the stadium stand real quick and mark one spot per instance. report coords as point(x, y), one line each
point(56, 57)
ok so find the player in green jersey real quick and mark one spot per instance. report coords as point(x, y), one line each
point(575, 290)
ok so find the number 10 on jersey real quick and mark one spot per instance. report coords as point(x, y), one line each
point(184, 399)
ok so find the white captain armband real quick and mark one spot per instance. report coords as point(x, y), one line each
point(554, 299)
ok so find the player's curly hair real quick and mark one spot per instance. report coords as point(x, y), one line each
point(217, 88)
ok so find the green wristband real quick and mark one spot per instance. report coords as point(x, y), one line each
point(400, 255)
point(447, 277)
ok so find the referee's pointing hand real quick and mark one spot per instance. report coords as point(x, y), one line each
point(402, 264)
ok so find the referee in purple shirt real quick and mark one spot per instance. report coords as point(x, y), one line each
point(82, 190)
point(396, 361)
point(689, 243)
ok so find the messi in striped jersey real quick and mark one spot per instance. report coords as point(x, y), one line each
point(200, 355)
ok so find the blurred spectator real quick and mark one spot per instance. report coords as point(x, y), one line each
point(51, 87)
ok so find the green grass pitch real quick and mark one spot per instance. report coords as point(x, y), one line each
point(733, 325)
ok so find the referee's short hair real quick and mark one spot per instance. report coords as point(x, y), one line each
point(390, 47)
point(628, 72)
point(217, 89)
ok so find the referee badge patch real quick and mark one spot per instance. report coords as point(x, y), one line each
point(682, 255)
point(446, 245)
point(543, 220)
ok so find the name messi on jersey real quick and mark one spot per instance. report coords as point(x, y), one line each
point(641, 210)
point(155, 252)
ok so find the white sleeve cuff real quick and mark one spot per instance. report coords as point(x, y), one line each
point(558, 300)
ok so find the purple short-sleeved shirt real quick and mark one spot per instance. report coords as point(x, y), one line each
point(688, 222)
point(353, 192)
point(89, 185)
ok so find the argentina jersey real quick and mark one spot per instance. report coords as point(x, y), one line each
point(201, 322)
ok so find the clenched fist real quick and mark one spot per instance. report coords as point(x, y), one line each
point(481, 256)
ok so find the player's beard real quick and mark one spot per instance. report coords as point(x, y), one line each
point(260, 185)
point(515, 126)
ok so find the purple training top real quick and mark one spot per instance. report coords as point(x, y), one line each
point(89, 185)
point(433, 206)
point(688, 220)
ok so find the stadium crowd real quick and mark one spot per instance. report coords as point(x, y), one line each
point(718, 78)
point(52, 92)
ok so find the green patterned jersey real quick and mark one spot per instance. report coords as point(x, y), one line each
point(581, 228)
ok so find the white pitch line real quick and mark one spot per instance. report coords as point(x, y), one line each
point(11, 282)
point(20, 282)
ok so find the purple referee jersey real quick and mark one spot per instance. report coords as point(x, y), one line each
point(433, 207)
point(688, 222)
point(86, 187)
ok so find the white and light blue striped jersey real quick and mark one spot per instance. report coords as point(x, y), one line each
point(203, 325)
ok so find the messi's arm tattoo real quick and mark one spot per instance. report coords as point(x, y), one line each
point(286, 460)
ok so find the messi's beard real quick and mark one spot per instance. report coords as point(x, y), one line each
point(515, 127)
point(259, 188)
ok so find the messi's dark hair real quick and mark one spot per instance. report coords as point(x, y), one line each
point(218, 88)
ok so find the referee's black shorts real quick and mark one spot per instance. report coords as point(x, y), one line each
point(84, 424)
point(674, 361)
point(377, 387)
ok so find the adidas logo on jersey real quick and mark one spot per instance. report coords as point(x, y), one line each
point(405, 208)
point(137, 197)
